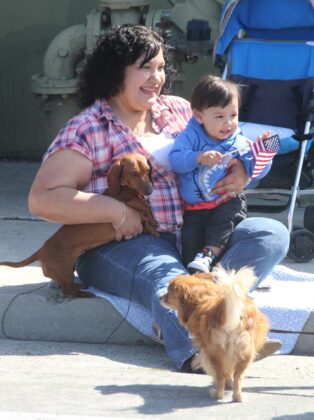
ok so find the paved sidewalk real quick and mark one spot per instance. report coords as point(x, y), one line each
point(137, 382)
point(54, 363)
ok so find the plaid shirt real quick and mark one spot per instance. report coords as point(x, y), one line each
point(98, 134)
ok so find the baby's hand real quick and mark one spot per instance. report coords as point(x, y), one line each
point(209, 158)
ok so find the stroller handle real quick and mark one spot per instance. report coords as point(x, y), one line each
point(310, 108)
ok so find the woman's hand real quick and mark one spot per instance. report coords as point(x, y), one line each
point(127, 223)
point(233, 183)
point(56, 196)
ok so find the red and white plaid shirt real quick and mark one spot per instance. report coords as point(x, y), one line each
point(101, 137)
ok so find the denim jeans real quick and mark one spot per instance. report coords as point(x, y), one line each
point(140, 269)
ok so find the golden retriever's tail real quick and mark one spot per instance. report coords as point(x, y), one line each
point(242, 280)
point(237, 284)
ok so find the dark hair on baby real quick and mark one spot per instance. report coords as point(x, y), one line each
point(214, 91)
point(103, 71)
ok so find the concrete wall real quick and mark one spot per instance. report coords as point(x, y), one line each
point(26, 29)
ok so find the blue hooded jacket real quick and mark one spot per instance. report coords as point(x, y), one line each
point(196, 181)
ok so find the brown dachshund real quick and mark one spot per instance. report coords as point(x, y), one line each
point(128, 181)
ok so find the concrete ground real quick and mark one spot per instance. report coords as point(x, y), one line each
point(56, 361)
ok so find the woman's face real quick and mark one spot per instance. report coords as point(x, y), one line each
point(142, 85)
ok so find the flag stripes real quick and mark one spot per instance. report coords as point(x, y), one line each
point(263, 151)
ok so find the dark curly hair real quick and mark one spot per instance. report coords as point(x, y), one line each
point(103, 71)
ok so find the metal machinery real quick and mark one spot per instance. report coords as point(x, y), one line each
point(189, 26)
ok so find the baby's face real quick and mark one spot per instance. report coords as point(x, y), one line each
point(219, 123)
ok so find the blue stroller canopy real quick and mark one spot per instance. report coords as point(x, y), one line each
point(248, 57)
point(267, 46)
point(273, 19)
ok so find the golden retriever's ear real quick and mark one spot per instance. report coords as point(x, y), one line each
point(187, 312)
point(182, 297)
point(183, 292)
point(113, 176)
point(185, 300)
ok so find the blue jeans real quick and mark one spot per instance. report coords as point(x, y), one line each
point(141, 269)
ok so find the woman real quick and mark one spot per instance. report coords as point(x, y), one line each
point(120, 88)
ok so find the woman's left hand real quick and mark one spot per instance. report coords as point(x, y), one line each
point(233, 183)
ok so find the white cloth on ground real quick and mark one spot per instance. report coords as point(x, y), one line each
point(288, 304)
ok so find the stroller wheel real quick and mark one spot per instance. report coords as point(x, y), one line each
point(301, 245)
point(309, 218)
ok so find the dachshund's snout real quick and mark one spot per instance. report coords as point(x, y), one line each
point(148, 189)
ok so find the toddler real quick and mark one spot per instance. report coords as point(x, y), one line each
point(200, 156)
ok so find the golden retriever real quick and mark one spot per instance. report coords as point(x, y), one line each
point(224, 322)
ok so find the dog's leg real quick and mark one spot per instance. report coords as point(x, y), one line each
point(237, 379)
point(220, 385)
point(229, 382)
point(71, 289)
point(149, 222)
point(219, 376)
point(214, 368)
point(76, 292)
point(82, 292)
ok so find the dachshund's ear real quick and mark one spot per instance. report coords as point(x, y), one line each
point(150, 171)
point(114, 178)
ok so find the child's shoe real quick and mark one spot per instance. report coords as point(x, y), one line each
point(202, 262)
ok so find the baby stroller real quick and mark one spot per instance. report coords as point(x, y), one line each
point(267, 47)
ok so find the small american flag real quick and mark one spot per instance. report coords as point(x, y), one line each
point(263, 151)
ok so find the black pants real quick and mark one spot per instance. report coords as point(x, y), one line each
point(211, 227)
